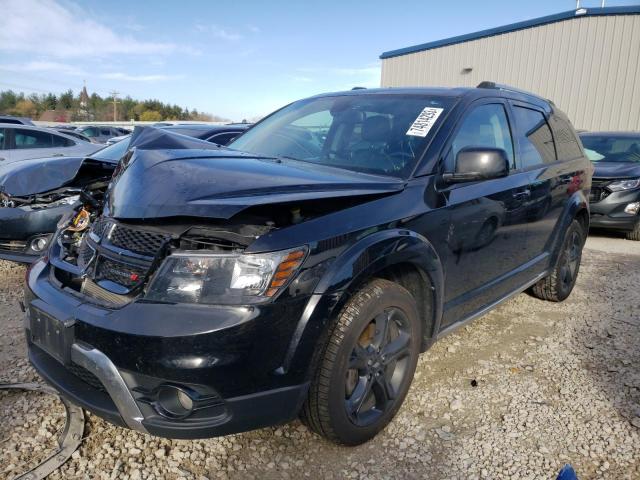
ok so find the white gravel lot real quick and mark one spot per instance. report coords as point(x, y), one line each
point(555, 384)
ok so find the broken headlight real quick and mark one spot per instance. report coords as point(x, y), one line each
point(190, 277)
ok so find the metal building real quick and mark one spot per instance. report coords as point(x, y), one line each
point(587, 61)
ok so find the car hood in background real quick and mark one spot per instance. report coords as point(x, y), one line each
point(616, 170)
point(38, 175)
point(160, 178)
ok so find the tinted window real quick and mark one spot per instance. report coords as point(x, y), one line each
point(379, 134)
point(105, 131)
point(566, 142)
point(32, 139)
point(2, 138)
point(90, 132)
point(534, 138)
point(484, 126)
point(612, 148)
point(58, 141)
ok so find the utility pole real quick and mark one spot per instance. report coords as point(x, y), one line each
point(115, 94)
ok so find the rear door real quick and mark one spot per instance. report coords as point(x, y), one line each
point(487, 237)
point(552, 179)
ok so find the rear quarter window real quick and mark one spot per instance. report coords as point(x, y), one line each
point(58, 141)
point(567, 144)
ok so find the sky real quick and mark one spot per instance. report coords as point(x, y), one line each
point(240, 59)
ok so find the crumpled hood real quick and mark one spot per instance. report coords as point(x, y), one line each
point(616, 170)
point(38, 175)
point(219, 183)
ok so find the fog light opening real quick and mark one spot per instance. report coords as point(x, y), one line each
point(39, 244)
point(173, 402)
point(632, 208)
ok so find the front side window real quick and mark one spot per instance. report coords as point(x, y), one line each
point(612, 148)
point(534, 138)
point(485, 126)
point(90, 132)
point(378, 134)
point(32, 139)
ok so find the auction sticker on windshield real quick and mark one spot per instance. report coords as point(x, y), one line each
point(421, 125)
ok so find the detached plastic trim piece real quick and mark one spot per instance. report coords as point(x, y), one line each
point(69, 440)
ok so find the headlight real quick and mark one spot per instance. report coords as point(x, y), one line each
point(192, 277)
point(624, 185)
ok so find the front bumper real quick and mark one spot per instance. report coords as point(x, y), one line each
point(116, 361)
point(609, 213)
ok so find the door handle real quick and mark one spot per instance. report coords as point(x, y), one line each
point(58, 155)
point(523, 195)
point(1, 159)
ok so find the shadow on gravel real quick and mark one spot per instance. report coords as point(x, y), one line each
point(608, 345)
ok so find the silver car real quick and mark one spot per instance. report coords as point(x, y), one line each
point(19, 142)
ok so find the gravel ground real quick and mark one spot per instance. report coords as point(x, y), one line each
point(517, 394)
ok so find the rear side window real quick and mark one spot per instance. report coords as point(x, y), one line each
point(2, 137)
point(484, 126)
point(32, 139)
point(58, 141)
point(565, 138)
point(105, 131)
point(90, 132)
point(534, 138)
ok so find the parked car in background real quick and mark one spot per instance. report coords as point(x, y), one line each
point(72, 133)
point(19, 142)
point(15, 120)
point(220, 134)
point(101, 133)
point(303, 269)
point(35, 194)
point(615, 192)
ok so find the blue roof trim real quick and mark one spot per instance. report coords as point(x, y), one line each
point(558, 17)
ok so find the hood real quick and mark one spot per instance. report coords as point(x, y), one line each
point(616, 170)
point(219, 182)
point(38, 175)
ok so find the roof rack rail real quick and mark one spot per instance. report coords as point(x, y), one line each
point(507, 88)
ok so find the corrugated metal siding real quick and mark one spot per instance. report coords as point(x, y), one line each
point(590, 67)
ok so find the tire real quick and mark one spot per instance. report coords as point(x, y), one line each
point(354, 362)
point(557, 286)
point(635, 233)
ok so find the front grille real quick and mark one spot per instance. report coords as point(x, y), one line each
point(598, 191)
point(13, 245)
point(137, 241)
point(86, 376)
point(100, 226)
point(128, 276)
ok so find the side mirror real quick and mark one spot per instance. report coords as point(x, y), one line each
point(479, 163)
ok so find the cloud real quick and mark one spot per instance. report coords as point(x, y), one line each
point(219, 32)
point(45, 66)
point(300, 78)
point(47, 28)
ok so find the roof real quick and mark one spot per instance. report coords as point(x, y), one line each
point(536, 22)
point(435, 91)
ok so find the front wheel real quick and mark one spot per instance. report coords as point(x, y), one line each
point(367, 366)
point(559, 284)
point(635, 233)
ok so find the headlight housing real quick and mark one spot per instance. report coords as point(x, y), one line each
point(628, 184)
point(224, 279)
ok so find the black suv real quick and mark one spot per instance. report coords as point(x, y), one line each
point(615, 193)
point(302, 270)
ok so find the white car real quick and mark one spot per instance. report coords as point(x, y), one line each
point(19, 142)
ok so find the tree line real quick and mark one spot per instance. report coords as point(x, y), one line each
point(97, 108)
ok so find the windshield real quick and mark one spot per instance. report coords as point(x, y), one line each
point(378, 134)
point(113, 152)
point(611, 148)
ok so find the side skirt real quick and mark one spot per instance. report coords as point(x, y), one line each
point(461, 323)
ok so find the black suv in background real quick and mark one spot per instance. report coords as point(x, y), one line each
point(302, 270)
point(615, 192)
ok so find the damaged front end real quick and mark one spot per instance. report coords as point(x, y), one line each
point(29, 220)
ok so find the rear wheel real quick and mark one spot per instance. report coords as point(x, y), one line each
point(367, 365)
point(635, 233)
point(557, 286)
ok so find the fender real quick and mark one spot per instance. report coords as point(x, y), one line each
point(577, 202)
point(349, 271)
